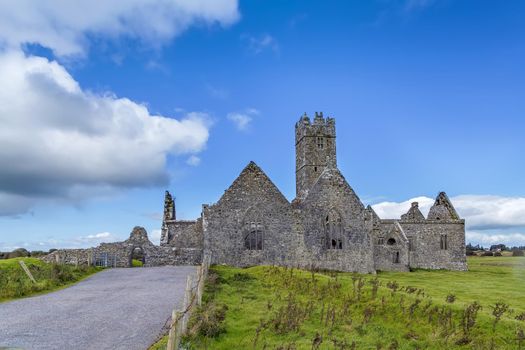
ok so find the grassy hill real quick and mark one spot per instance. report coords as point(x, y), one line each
point(14, 283)
point(277, 308)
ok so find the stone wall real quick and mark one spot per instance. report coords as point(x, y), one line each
point(120, 253)
point(391, 247)
point(251, 200)
point(183, 234)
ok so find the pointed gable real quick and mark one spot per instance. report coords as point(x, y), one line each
point(442, 209)
point(398, 232)
point(252, 181)
point(332, 180)
point(413, 214)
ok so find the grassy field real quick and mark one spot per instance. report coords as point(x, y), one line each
point(276, 308)
point(14, 283)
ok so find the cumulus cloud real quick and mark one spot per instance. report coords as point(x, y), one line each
point(86, 241)
point(60, 141)
point(66, 27)
point(496, 214)
point(242, 120)
point(487, 239)
point(154, 236)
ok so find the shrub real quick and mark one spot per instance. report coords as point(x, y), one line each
point(487, 253)
point(518, 252)
point(209, 320)
point(497, 254)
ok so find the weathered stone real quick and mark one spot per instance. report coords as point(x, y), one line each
point(326, 226)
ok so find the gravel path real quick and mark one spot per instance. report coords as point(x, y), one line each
point(113, 309)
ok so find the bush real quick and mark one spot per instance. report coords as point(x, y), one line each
point(208, 321)
point(497, 254)
point(487, 253)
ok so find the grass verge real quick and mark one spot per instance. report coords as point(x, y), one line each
point(277, 308)
point(14, 283)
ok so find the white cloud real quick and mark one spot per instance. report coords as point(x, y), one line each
point(258, 44)
point(242, 120)
point(59, 141)
point(154, 236)
point(193, 160)
point(487, 239)
point(67, 26)
point(97, 238)
point(481, 212)
point(394, 210)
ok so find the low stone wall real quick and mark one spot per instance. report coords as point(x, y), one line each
point(120, 253)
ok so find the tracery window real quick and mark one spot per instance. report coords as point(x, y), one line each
point(333, 231)
point(253, 230)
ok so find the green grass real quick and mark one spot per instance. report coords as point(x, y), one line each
point(278, 308)
point(136, 263)
point(14, 283)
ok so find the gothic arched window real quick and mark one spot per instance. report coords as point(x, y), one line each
point(253, 238)
point(333, 229)
point(253, 231)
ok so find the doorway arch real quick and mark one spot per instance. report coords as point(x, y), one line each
point(137, 257)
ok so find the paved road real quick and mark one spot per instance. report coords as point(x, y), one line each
point(114, 309)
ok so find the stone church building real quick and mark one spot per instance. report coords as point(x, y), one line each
point(326, 226)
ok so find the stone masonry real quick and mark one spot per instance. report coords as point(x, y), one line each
point(326, 226)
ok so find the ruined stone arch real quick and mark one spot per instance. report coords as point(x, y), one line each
point(253, 229)
point(137, 252)
point(333, 230)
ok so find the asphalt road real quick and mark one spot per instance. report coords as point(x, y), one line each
point(113, 309)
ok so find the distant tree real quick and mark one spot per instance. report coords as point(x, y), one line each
point(18, 253)
point(497, 247)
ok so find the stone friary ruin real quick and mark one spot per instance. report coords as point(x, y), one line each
point(326, 226)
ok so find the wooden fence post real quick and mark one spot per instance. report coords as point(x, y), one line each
point(26, 270)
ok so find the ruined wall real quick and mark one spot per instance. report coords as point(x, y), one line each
point(120, 253)
point(427, 252)
point(331, 197)
point(251, 199)
point(184, 234)
point(391, 247)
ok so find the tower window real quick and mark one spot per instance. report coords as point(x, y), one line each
point(315, 168)
point(320, 142)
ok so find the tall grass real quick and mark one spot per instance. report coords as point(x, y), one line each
point(281, 308)
point(14, 283)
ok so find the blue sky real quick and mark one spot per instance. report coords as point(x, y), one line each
point(116, 103)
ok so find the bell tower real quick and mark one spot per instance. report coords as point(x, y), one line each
point(314, 150)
